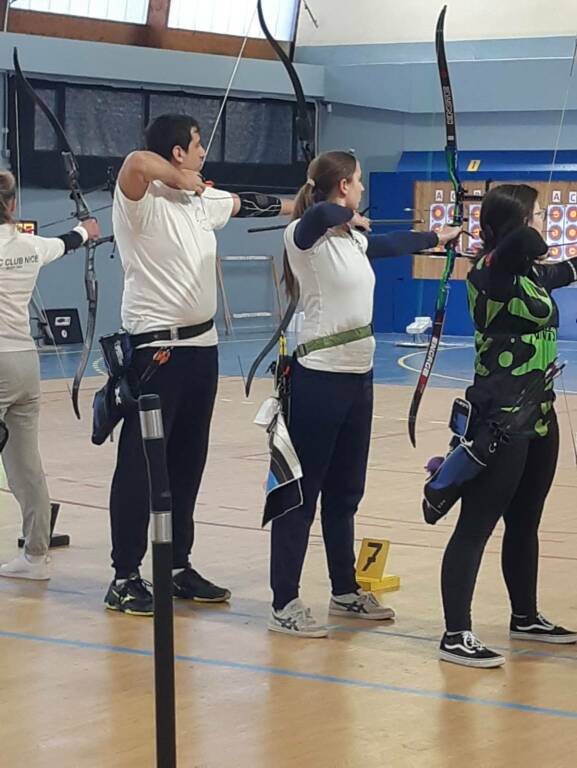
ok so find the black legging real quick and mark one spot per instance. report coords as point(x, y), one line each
point(514, 487)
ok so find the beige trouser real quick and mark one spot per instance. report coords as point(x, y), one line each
point(20, 407)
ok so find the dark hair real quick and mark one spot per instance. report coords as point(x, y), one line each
point(7, 195)
point(168, 131)
point(505, 208)
point(324, 175)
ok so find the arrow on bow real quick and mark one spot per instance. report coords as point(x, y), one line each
point(82, 214)
point(306, 137)
point(451, 156)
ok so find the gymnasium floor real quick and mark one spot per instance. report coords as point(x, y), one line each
point(77, 686)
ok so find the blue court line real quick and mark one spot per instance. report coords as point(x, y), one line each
point(306, 676)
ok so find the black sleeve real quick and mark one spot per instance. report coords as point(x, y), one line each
point(72, 240)
point(256, 205)
point(554, 276)
point(401, 243)
point(317, 220)
point(516, 253)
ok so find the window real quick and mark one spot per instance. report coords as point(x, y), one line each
point(132, 11)
point(235, 17)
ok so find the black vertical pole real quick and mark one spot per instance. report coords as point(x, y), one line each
point(161, 535)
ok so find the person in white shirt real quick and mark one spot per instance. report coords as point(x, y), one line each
point(331, 385)
point(164, 219)
point(21, 258)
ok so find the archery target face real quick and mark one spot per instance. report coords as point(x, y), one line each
point(474, 227)
point(571, 233)
point(437, 218)
point(555, 232)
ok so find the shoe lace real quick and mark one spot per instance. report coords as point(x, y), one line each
point(303, 615)
point(472, 642)
point(544, 620)
point(369, 599)
point(140, 586)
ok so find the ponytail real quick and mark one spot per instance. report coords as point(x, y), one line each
point(7, 196)
point(323, 177)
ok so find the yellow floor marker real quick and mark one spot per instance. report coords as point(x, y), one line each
point(371, 566)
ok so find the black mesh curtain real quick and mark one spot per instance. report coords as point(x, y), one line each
point(255, 146)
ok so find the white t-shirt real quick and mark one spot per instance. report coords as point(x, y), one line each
point(168, 250)
point(21, 258)
point(337, 285)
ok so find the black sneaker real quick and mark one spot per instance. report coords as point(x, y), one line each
point(190, 585)
point(466, 649)
point(539, 629)
point(132, 596)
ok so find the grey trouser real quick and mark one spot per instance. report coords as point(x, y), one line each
point(20, 407)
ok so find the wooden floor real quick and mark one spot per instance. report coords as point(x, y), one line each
point(76, 681)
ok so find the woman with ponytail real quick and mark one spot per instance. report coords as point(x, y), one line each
point(21, 257)
point(516, 321)
point(331, 401)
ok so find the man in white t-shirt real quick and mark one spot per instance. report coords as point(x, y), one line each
point(164, 219)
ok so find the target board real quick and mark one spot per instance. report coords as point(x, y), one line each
point(435, 203)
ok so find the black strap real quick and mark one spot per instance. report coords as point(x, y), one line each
point(171, 334)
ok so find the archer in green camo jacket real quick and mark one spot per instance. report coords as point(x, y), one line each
point(516, 324)
point(516, 319)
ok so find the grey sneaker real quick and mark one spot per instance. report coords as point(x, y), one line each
point(296, 619)
point(359, 605)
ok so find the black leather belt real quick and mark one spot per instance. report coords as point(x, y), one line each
point(171, 334)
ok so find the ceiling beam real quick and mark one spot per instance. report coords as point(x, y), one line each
point(79, 28)
point(157, 21)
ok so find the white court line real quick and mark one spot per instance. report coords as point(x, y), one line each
point(402, 361)
point(403, 364)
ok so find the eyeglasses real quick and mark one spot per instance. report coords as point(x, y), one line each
point(540, 214)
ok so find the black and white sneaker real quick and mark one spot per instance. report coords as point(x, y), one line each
point(466, 649)
point(539, 629)
point(188, 584)
point(132, 596)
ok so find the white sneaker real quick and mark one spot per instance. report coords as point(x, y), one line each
point(359, 605)
point(296, 619)
point(26, 567)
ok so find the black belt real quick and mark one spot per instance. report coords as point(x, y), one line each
point(171, 334)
